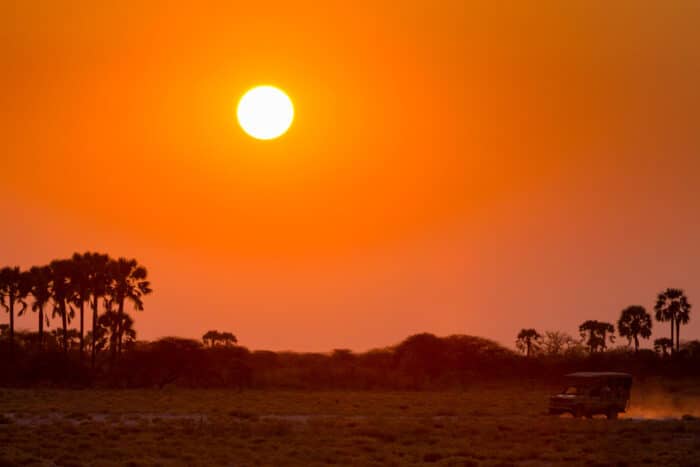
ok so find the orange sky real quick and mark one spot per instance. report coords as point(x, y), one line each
point(453, 167)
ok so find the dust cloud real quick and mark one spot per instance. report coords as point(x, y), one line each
point(657, 401)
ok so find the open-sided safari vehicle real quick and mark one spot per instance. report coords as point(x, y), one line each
point(593, 393)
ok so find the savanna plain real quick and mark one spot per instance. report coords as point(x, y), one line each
point(494, 424)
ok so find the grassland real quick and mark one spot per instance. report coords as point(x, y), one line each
point(480, 425)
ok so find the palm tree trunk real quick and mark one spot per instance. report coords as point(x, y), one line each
point(672, 335)
point(82, 310)
point(41, 327)
point(12, 325)
point(678, 336)
point(636, 344)
point(119, 326)
point(94, 333)
point(112, 349)
point(112, 340)
point(112, 345)
point(64, 319)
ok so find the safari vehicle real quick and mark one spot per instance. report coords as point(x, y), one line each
point(593, 393)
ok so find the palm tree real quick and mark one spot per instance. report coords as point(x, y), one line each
point(107, 325)
point(528, 339)
point(67, 339)
point(98, 287)
point(41, 291)
point(662, 344)
point(14, 287)
point(634, 322)
point(110, 325)
point(596, 333)
point(672, 305)
point(128, 283)
point(62, 295)
point(80, 283)
point(682, 317)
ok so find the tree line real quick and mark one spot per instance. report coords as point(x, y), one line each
point(92, 283)
point(635, 322)
point(66, 288)
point(422, 361)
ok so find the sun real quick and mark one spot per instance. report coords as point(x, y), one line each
point(265, 112)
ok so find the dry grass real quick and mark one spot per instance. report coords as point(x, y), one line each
point(485, 425)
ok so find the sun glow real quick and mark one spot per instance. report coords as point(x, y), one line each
point(265, 112)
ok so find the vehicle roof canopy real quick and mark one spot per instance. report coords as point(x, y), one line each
point(599, 374)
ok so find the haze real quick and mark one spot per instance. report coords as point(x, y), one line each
point(440, 175)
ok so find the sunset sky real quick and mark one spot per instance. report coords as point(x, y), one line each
point(453, 167)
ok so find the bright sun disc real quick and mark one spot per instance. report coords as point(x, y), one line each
point(265, 112)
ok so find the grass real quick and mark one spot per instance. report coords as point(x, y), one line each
point(487, 425)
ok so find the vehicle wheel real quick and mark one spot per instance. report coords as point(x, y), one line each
point(612, 413)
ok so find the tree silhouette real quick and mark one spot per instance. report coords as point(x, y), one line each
point(80, 284)
point(662, 345)
point(692, 349)
point(98, 287)
point(128, 283)
point(672, 305)
point(421, 355)
point(14, 287)
point(62, 295)
point(560, 343)
point(211, 338)
point(682, 317)
point(228, 339)
point(595, 333)
point(67, 339)
point(40, 289)
point(528, 340)
point(634, 322)
point(67, 285)
point(99, 342)
point(110, 325)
